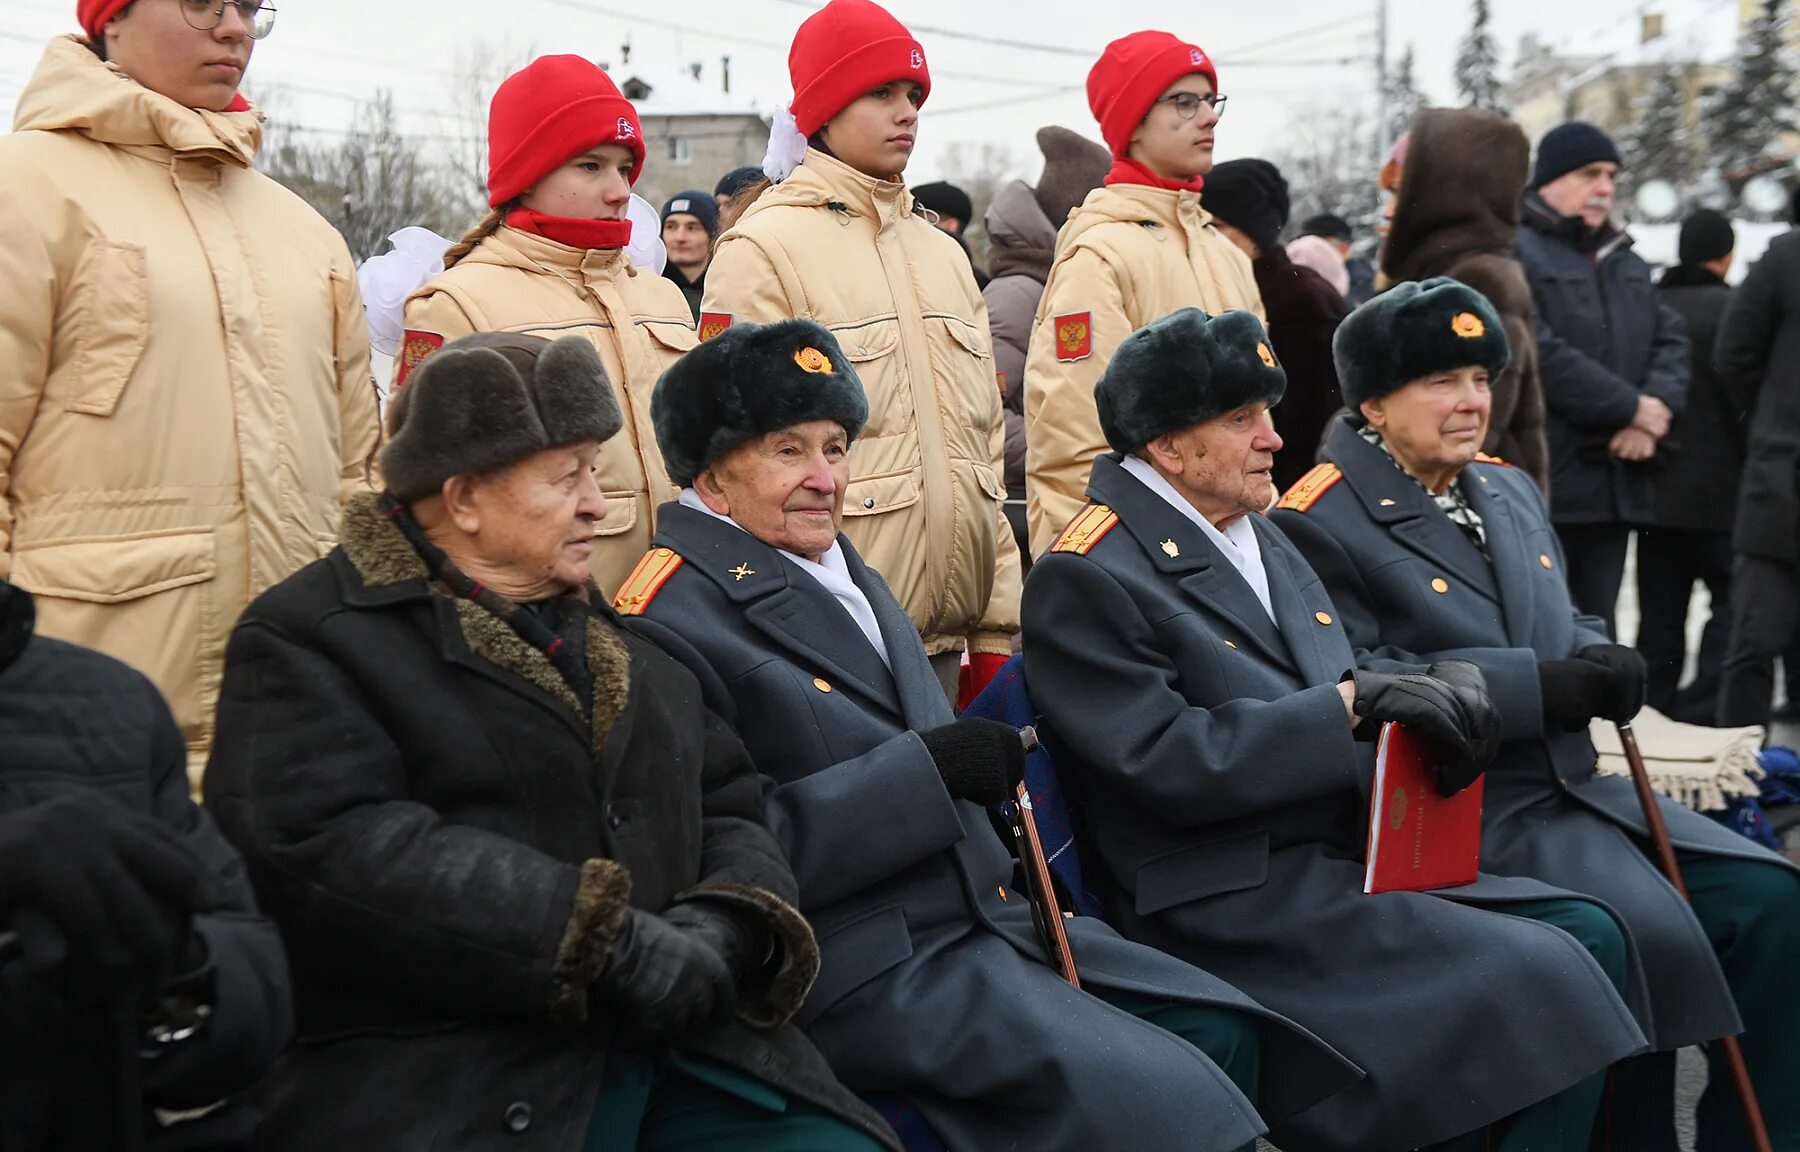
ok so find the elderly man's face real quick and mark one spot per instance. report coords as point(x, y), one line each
point(785, 488)
point(1586, 192)
point(1436, 424)
point(534, 521)
point(1225, 466)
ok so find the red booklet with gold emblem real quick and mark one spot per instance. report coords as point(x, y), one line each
point(1418, 839)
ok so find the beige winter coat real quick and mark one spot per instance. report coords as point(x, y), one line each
point(185, 394)
point(924, 502)
point(639, 322)
point(1129, 255)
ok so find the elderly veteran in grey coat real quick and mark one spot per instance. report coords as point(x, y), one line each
point(1204, 706)
point(934, 984)
point(521, 871)
point(1432, 551)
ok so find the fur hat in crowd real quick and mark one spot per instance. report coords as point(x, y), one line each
point(947, 200)
point(748, 381)
point(1251, 196)
point(485, 401)
point(1182, 370)
point(1073, 167)
point(1412, 330)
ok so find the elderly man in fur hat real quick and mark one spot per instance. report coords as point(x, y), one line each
point(522, 872)
point(933, 984)
point(1433, 551)
point(1205, 704)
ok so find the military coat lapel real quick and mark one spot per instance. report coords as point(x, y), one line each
point(920, 704)
point(1512, 565)
point(792, 610)
point(1298, 621)
point(1399, 504)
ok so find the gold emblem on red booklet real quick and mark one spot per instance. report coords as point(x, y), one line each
point(812, 360)
point(1468, 326)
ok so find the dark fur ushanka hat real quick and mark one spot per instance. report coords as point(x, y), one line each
point(748, 381)
point(485, 401)
point(1412, 330)
point(1182, 370)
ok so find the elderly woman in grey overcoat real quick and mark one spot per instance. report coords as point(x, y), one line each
point(521, 871)
point(934, 985)
point(1432, 551)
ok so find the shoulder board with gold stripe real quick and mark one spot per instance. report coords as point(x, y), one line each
point(1484, 458)
point(1085, 531)
point(1307, 490)
point(653, 571)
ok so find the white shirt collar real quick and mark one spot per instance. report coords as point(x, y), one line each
point(1238, 541)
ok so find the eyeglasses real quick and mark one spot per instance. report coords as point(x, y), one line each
point(204, 15)
point(1187, 104)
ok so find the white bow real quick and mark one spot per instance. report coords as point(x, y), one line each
point(787, 147)
point(388, 279)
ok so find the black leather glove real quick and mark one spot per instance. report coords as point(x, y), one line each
point(980, 760)
point(664, 982)
point(1451, 717)
point(1574, 691)
point(1480, 723)
point(734, 933)
point(101, 885)
point(1629, 674)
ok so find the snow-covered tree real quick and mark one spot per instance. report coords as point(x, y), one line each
point(1403, 96)
point(1661, 144)
point(1755, 108)
point(1478, 65)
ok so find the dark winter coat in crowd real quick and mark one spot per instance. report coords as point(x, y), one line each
point(75, 721)
point(1699, 462)
point(1304, 312)
point(1457, 216)
point(1604, 340)
point(691, 290)
point(1362, 281)
point(442, 833)
point(1758, 360)
point(1021, 245)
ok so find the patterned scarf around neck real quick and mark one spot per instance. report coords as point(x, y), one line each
point(564, 647)
point(1452, 501)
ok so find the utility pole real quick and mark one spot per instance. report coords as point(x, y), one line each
point(1382, 143)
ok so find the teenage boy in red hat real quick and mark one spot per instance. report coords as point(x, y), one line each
point(1141, 246)
point(184, 368)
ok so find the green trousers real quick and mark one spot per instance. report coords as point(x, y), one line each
point(694, 1106)
point(1565, 1121)
point(1750, 912)
point(1230, 1039)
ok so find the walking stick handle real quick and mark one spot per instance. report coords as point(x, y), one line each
point(1671, 868)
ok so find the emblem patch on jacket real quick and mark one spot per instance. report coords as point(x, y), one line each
point(713, 323)
point(1074, 336)
point(1468, 326)
point(414, 347)
point(1307, 490)
point(653, 571)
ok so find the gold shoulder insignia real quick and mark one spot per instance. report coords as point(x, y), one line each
point(1307, 490)
point(1085, 531)
point(1484, 458)
point(653, 571)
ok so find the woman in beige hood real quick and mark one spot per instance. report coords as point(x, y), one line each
point(564, 149)
point(840, 241)
point(1139, 248)
point(185, 394)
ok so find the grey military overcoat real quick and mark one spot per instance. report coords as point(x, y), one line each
point(933, 982)
point(1208, 749)
point(1410, 589)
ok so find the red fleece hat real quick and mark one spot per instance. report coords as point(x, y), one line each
point(845, 49)
point(1130, 75)
point(94, 15)
point(553, 109)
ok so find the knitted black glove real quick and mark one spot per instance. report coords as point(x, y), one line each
point(1574, 692)
point(1447, 715)
point(106, 887)
point(980, 760)
point(734, 933)
point(1629, 673)
point(1480, 723)
point(664, 983)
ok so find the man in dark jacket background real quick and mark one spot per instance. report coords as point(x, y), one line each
point(1758, 360)
point(135, 972)
point(1249, 203)
point(1613, 360)
point(954, 211)
point(1697, 469)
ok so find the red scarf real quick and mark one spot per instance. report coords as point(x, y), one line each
point(1131, 172)
point(568, 230)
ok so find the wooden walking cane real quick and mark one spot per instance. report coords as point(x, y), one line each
point(1039, 889)
point(1665, 858)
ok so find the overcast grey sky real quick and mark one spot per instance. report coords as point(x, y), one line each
point(1274, 58)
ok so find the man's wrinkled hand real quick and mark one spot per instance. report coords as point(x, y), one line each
point(1633, 444)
